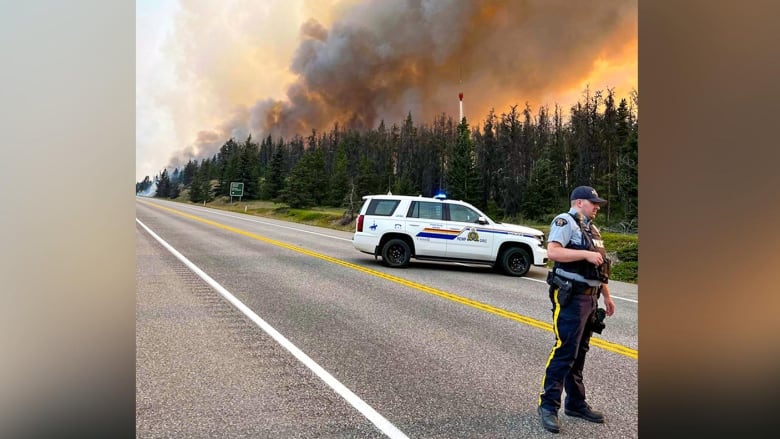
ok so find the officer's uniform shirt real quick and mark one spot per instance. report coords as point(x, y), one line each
point(563, 230)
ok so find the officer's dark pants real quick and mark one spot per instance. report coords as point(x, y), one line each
point(564, 367)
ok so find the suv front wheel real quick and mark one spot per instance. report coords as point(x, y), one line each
point(515, 261)
point(396, 253)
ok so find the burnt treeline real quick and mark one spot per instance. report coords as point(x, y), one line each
point(519, 164)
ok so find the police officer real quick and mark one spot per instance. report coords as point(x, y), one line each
point(579, 277)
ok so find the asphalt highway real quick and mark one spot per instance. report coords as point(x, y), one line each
point(354, 349)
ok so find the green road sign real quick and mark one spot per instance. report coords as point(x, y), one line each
point(236, 189)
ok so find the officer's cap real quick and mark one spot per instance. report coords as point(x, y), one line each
point(587, 193)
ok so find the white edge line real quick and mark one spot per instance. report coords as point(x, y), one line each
point(372, 415)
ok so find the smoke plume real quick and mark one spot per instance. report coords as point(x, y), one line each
point(380, 60)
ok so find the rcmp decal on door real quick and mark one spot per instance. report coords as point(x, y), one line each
point(450, 235)
point(438, 234)
point(472, 235)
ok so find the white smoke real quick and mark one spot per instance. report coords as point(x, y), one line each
point(149, 192)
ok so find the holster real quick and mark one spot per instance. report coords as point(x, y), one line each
point(564, 286)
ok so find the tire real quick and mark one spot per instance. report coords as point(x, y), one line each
point(515, 261)
point(396, 253)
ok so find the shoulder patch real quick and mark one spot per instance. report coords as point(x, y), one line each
point(560, 222)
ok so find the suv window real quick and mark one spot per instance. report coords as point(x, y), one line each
point(382, 207)
point(426, 210)
point(463, 214)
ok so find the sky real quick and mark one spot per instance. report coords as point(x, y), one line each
point(209, 70)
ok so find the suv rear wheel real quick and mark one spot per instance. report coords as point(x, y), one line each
point(515, 261)
point(396, 253)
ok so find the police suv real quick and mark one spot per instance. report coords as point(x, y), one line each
point(400, 227)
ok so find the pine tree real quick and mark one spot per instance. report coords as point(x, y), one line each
point(196, 185)
point(339, 180)
point(200, 189)
point(295, 192)
point(541, 194)
point(489, 162)
point(307, 184)
point(189, 173)
point(143, 186)
point(228, 166)
point(510, 184)
point(175, 190)
point(405, 149)
point(248, 172)
point(366, 181)
point(462, 176)
point(319, 178)
point(274, 182)
point(627, 164)
point(163, 185)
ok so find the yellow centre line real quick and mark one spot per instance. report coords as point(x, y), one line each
point(613, 347)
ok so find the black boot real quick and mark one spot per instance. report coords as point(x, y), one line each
point(586, 413)
point(549, 420)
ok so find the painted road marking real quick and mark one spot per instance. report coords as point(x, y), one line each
point(372, 415)
point(609, 346)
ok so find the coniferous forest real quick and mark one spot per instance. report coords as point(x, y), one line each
point(519, 165)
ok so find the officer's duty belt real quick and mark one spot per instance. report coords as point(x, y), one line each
point(584, 289)
point(590, 291)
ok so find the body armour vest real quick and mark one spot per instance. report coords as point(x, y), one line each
point(591, 241)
